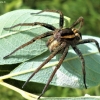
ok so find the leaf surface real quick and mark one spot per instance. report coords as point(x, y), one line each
point(70, 72)
point(73, 98)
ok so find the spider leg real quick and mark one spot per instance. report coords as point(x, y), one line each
point(45, 62)
point(29, 42)
point(80, 21)
point(61, 20)
point(48, 26)
point(83, 64)
point(88, 41)
point(55, 70)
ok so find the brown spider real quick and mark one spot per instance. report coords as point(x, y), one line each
point(59, 41)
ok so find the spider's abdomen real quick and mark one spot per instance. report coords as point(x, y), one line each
point(52, 44)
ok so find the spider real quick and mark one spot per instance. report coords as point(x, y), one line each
point(59, 42)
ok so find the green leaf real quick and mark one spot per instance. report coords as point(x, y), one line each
point(70, 72)
point(73, 98)
point(10, 40)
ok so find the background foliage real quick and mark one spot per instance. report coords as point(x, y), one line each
point(89, 9)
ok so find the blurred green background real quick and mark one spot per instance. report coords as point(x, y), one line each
point(89, 9)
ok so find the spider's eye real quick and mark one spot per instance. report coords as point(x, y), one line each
point(78, 36)
point(77, 33)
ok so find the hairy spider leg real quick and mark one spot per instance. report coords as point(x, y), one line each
point(80, 21)
point(83, 64)
point(29, 42)
point(48, 26)
point(88, 41)
point(46, 61)
point(55, 70)
point(61, 20)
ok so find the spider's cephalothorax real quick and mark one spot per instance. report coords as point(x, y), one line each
point(59, 41)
